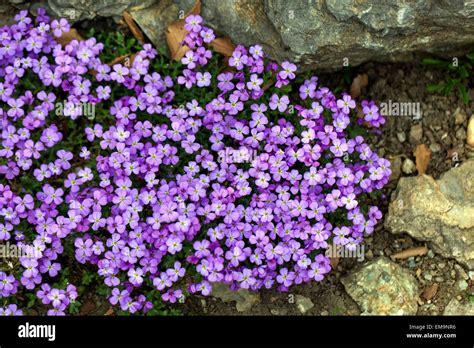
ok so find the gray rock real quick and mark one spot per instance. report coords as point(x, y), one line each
point(155, 19)
point(244, 298)
point(304, 304)
point(408, 166)
point(328, 33)
point(89, 9)
point(381, 287)
point(457, 308)
point(440, 212)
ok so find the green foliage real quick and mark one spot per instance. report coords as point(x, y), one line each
point(458, 72)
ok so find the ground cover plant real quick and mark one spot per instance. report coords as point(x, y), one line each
point(156, 179)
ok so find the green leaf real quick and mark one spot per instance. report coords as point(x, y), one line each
point(432, 61)
point(435, 88)
point(463, 73)
point(463, 93)
point(470, 56)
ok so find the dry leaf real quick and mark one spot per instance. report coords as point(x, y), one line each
point(405, 254)
point(423, 156)
point(223, 45)
point(268, 84)
point(120, 59)
point(110, 311)
point(175, 34)
point(334, 262)
point(430, 292)
point(67, 37)
point(137, 33)
point(358, 83)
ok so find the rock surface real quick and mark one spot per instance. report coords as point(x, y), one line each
point(457, 308)
point(89, 9)
point(244, 298)
point(381, 287)
point(440, 212)
point(327, 33)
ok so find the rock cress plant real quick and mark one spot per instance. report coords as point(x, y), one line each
point(152, 203)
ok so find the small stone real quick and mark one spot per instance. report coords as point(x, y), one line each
point(461, 272)
point(401, 136)
point(470, 131)
point(441, 265)
point(428, 277)
point(439, 279)
point(416, 133)
point(459, 116)
point(395, 167)
point(244, 298)
point(462, 285)
point(453, 274)
point(279, 311)
point(455, 307)
point(461, 134)
point(324, 313)
point(408, 166)
point(435, 147)
point(369, 255)
point(471, 275)
point(304, 304)
point(411, 263)
point(430, 254)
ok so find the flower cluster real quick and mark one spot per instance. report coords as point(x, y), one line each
point(157, 207)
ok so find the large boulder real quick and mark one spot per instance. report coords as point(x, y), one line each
point(324, 33)
point(440, 212)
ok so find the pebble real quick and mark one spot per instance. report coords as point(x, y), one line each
point(369, 255)
point(411, 263)
point(430, 254)
point(325, 313)
point(428, 276)
point(435, 147)
point(416, 133)
point(441, 265)
point(471, 275)
point(459, 116)
point(396, 167)
point(462, 285)
point(401, 136)
point(453, 274)
point(470, 131)
point(408, 166)
point(439, 279)
point(461, 134)
point(461, 272)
